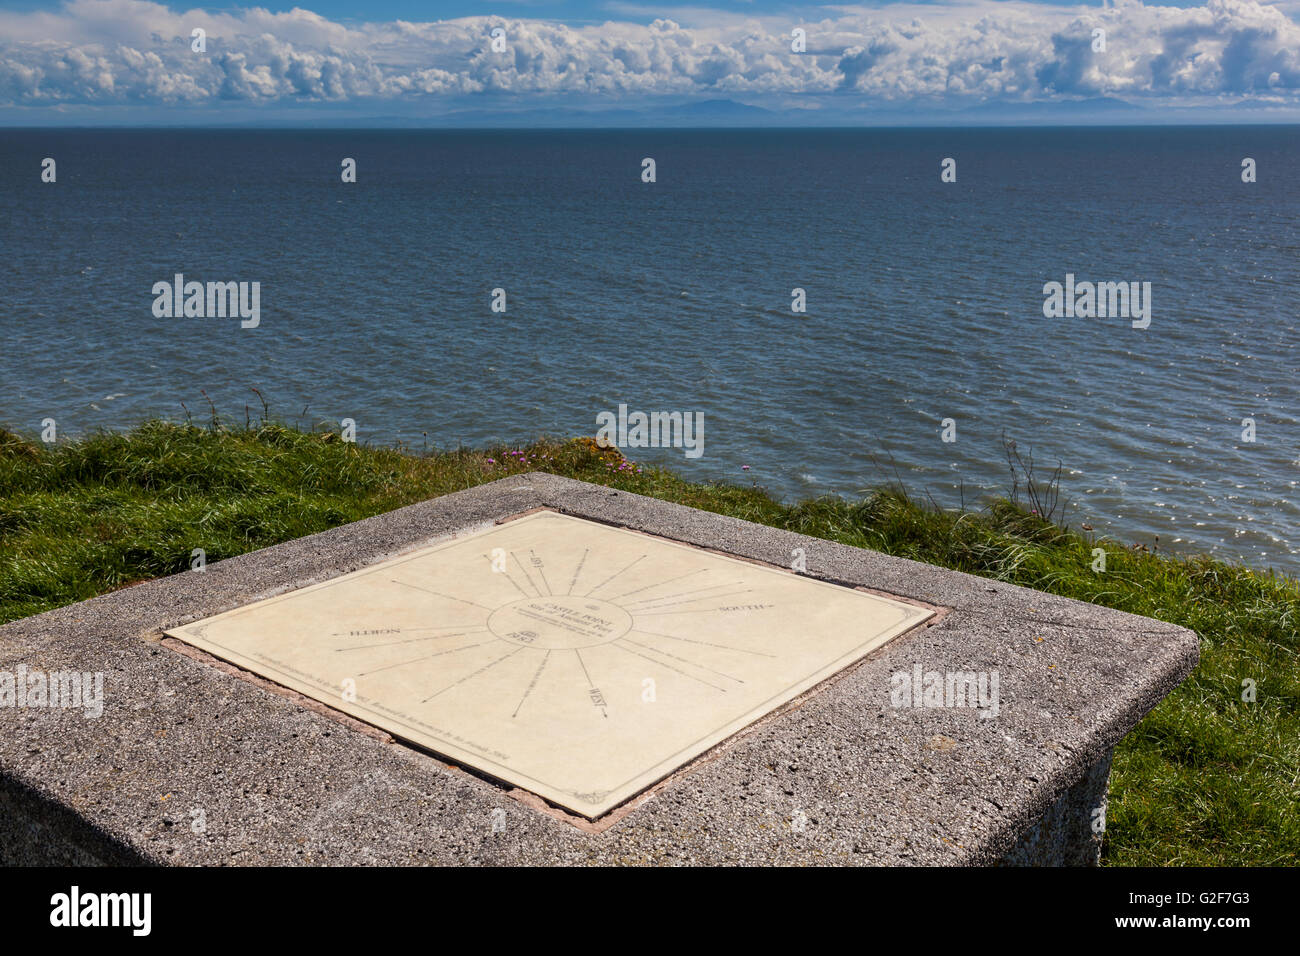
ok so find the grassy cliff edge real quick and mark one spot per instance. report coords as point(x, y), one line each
point(1205, 779)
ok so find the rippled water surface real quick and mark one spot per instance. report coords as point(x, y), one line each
point(924, 301)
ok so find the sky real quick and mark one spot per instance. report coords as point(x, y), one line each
point(703, 61)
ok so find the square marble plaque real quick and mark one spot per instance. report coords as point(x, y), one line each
point(576, 660)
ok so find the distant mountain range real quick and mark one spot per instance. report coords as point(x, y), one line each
point(699, 113)
point(724, 112)
point(713, 113)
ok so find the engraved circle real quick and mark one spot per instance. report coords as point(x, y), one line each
point(559, 622)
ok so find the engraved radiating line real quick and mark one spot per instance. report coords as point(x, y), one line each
point(669, 597)
point(659, 585)
point(427, 657)
point(725, 647)
point(689, 610)
point(656, 608)
point(610, 578)
point(441, 595)
point(427, 627)
point(472, 674)
point(578, 570)
point(669, 666)
point(510, 579)
point(409, 640)
point(590, 682)
point(528, 576)
point(541, 571)
point(531, 685)
point(685, 661)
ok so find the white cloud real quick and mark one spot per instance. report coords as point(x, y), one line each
point(137, 52)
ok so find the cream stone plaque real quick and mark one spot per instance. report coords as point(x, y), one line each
point(576, 660)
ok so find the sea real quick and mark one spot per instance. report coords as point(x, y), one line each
point(474, 287)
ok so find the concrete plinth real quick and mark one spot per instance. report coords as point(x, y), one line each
point(195, 761)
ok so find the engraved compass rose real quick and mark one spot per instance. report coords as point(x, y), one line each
point(590, 611)
point(576, 660)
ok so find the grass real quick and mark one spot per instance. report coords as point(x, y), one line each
point(1205, 779)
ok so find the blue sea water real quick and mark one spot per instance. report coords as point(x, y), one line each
point(924, 301)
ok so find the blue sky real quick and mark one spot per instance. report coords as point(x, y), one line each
point(568, 11)
point(326, 61)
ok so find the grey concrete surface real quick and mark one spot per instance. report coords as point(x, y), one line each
point(843, 778)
